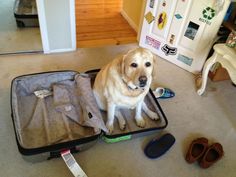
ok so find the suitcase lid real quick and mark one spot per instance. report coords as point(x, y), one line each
point(28, 113)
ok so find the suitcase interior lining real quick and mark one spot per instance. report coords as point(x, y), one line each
point(29, 113)
point(129, 115)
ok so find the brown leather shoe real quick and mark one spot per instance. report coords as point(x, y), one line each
point(196, 149)
point(212, 155)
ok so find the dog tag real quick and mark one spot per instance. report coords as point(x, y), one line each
point(73, 166)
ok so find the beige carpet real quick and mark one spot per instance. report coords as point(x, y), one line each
point(12, 38)
point(212, 115)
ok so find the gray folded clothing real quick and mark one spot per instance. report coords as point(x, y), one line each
point(91, 114)
point(43, 125)
point(78, 104)
point(63, 102)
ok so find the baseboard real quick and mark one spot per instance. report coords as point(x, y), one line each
point(61, 50)
point(129, 20)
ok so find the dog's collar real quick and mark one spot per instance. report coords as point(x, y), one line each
point(127, 85)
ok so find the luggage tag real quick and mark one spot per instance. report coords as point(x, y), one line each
point(42, 93)
point(71, 163)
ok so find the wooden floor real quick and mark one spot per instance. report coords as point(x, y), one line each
point(99, 23)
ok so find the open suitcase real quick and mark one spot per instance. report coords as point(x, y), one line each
point(56, 111)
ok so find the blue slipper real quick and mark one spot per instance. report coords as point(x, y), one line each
point(163, 93)
point(158, 147)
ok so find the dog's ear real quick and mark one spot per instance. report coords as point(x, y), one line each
point(121, 65)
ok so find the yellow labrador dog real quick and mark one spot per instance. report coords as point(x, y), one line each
point(124, 83)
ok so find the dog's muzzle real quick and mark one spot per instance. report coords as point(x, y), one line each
point(142, 81)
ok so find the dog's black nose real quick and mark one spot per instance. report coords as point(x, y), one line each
point(142, 81)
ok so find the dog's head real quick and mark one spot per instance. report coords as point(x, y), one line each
point(137, 68)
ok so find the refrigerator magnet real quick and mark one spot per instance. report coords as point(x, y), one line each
point(151, 4)
point(168, 50)
point(149, 17)
point(152, 42)
point(161, 21)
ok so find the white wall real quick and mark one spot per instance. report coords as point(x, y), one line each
point(57, 25)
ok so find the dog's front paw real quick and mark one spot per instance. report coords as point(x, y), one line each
point(153, 115)
point(110, 127)
point(140, 122)
point(122, 125)
point(121, 121)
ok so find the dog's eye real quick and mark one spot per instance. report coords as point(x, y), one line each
point(147, 64)
point(134, 65)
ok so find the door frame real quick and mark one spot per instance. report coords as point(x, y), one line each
point(44, 29)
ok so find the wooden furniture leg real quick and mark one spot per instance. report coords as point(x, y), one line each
point(226, 56)
point(207, 67)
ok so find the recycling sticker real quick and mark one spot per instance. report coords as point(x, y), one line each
point(207, 15)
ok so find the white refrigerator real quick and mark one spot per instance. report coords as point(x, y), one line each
point(182, 31)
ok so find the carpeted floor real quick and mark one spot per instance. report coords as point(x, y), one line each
point(12, 38)
point(212, 115)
